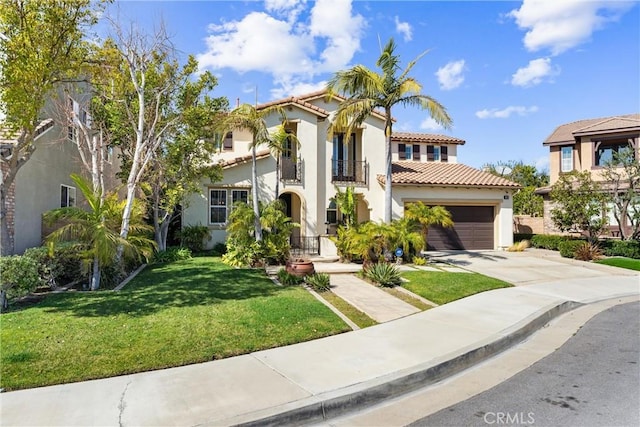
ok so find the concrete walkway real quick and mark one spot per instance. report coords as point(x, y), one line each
point(318, 379)
point(373, 301)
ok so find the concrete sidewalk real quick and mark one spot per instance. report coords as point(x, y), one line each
point(322, 378)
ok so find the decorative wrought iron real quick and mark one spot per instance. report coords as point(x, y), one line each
point(290, 169)
point(305, 245)
point(349, 171)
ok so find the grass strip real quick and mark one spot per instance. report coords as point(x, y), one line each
point(420, 305)
point(628, 263)
point(444, 287)
point(355, 315)
point(169, 315)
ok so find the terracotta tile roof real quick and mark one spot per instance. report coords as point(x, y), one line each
point(10, 138)
point(322, 93)
point(293, 100)
point(226, 164)
point(425, 137)
point(568, 131)
point(444, 175)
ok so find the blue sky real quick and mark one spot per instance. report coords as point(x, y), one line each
point(507, 72)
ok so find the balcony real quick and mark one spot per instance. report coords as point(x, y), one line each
point(349, 171)
point(290, 170)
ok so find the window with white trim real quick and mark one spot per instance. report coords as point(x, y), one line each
point(332, 213)
point(221, 202)
point(67, 196)
point(566, 159)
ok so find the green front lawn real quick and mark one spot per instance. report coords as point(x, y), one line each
point(629, 263)
point(444, 287)
point(170, 315)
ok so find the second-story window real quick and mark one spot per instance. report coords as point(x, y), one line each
point(566, 159)
point(67, 196)
point(607, 150)
point(436, 153)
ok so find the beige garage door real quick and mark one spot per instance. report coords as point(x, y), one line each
point(473, 229)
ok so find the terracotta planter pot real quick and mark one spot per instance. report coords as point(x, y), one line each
point(300, 267)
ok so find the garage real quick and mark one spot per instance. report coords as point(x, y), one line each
point(473, 229)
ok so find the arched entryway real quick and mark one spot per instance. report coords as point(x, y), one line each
point(293, 208)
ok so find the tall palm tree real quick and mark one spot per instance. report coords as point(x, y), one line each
point(366, 90)
point(405, 233)
point(247, 116)
point(428, 216)
point(279, 142)
point(99, 229)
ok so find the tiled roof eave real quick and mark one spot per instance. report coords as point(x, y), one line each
point(608, 131)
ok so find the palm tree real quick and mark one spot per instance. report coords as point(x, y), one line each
point(99, 229)
point(279, 142)
point(248, 117)
point(428, 216)
point(405, 233)
point(367, 90)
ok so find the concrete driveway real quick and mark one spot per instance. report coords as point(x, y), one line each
point(524, 268)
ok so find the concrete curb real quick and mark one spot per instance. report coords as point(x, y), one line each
point(335, 403)
point(131, 276)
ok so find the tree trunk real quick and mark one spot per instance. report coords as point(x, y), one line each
point(95, 276)
point(254, 193)
point(277, 176)
point(6, 239)
point(3, 300)
point(388, 198)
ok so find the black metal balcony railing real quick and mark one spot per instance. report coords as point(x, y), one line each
point(349, 171)
point(305, 245)
point(290, 169)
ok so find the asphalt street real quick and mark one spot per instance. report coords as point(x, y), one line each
point(592, 380)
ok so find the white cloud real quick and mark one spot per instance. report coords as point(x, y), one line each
point(534, 72)
point(404, 28)
point(292, 88)
point(542, 163)
point(430, 124)
point(450, 76)
point(293, 51)
point(505, 113)
point(560, 25)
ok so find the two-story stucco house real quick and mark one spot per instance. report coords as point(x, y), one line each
point(425, 168)
point(44, 182)
point(586, 145)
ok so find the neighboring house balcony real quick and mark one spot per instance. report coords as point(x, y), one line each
point(290, 170)
point(349, 171)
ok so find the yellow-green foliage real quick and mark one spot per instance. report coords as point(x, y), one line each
point(519, 246)
point(418, 260)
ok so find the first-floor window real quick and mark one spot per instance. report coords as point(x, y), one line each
point(332, 213)
point(221, 202)
point(67, 196)
point(566, 159)
point(218, 206)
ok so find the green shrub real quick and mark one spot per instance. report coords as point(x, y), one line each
point(194, 237)
point(287, 279)
point(568, 248)
point(60, 264)
point(587, 251)
point(517, 237)
point(625, 248)
point(319, 282)
point(418, 260)
point(384, 274)
point(548, 241)
point(174, 253)
point(219, 249)
point(19, 276)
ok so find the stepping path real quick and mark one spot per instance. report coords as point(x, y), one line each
point(374, 302)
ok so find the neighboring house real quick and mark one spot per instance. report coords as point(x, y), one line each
point(44, 182)
point(586, 145)
point(425, 169)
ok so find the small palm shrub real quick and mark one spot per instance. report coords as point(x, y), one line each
point(587, 252)
point(418, 260)
point(287, 279)
point(384, 274)
point(319, 282)
point(174, 253)
point(194, 237)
